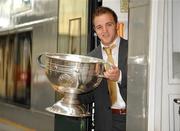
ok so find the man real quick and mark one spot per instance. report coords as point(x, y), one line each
point(110, 115)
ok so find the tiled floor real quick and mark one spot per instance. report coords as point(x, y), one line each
point(6, 125)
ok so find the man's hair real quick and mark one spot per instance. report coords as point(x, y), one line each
point(104, 10)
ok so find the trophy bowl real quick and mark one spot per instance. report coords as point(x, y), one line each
point(70, 75)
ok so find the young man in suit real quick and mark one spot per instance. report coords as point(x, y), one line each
point(110, 107)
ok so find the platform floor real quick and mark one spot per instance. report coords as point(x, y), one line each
point(7, 125)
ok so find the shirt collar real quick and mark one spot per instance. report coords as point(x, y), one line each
point(117, 42)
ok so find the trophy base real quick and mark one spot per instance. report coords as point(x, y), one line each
point(72, 110)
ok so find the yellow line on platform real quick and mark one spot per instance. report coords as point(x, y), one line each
point(16, 125)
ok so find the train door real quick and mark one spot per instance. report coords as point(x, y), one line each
point(171, 68)
point(75, 36)
point(154, 66)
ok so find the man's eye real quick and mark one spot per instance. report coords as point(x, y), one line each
point(98, 27)
point(109, 24)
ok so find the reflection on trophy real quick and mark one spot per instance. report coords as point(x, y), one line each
point(71, 75)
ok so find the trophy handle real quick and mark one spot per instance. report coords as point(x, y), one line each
point(101, 76)
point(39, 60)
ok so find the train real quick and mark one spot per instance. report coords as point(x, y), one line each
point(29, 28)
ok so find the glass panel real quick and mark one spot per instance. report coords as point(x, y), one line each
point(176, 65)
point(23, 68)
point(3, 66)
point(73, 26)
point(15, 68)
point(5, 11)
point(10, 70)
point(176, 39)
point(20, 6)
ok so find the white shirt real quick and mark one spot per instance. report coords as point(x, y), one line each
point(115, 53)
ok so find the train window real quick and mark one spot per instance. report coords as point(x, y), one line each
point(3, 67)
point(173, 42)
point(20, 6)
point(15, 68)
point(72, 34)
point(23, 68)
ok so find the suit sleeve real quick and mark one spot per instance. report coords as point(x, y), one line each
point(86, 98)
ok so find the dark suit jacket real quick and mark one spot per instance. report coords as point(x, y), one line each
point(100, 96)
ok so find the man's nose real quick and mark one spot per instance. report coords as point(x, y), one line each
point(104, 29)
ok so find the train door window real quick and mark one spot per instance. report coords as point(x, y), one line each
point(23, 68)
point(15, 68)
point(3, 67)
point(173, 40)
point(10, 70)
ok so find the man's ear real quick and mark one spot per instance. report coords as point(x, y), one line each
point(117, 26)
point(94, 29)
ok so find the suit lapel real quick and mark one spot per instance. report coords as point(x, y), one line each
point(121, 53)
point(99, 52)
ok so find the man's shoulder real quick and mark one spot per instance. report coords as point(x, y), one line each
point(124, 40)
point(124, 43)
point(95, 52)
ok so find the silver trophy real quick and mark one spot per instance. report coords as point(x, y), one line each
point(71, 75)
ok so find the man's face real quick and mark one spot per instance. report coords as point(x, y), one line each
point(106, 28)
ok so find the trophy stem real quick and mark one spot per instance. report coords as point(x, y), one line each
point(69, 105)
point(70, 98)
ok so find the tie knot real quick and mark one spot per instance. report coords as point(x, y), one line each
point(108, 50)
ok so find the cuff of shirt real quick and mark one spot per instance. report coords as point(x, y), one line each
point(120, 77)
